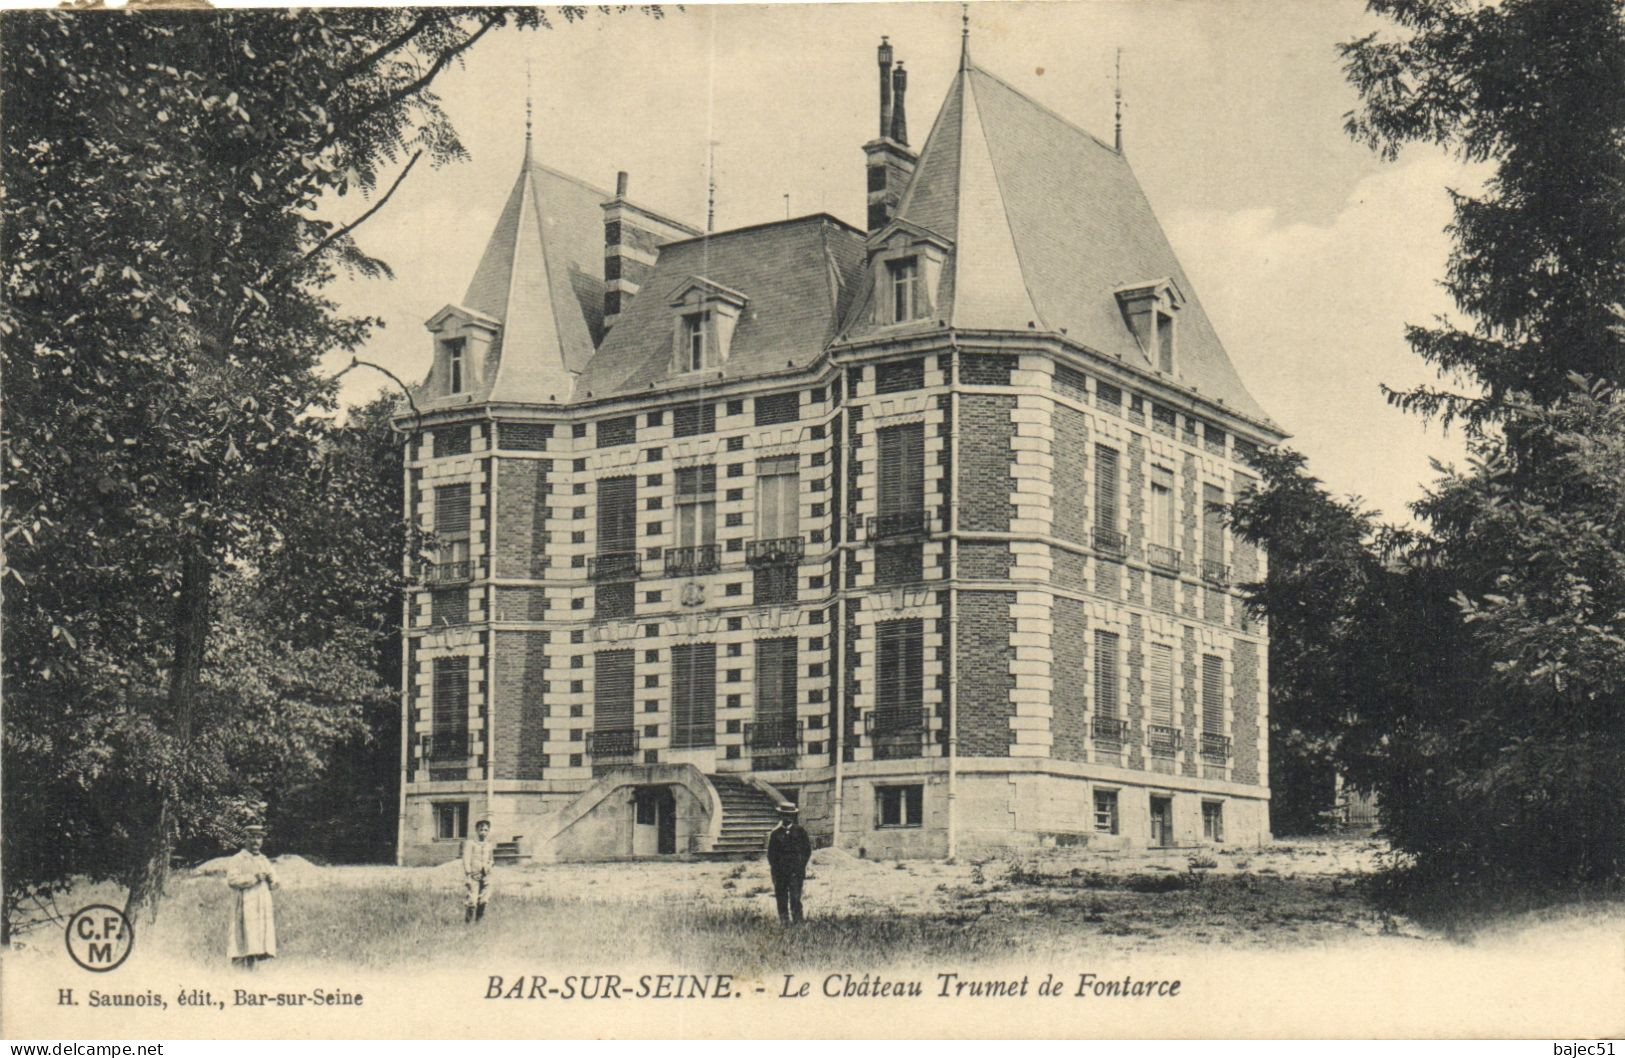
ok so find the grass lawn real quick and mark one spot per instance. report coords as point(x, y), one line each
point(706, 914)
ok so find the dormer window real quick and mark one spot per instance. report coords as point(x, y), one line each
point(695, 326)
point(456, 368)
point(905, 268)
point(1151, 311)
point(905, 289)
point(706, 315)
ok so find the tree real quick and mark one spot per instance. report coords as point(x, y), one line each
point(169, 183)
point(1496, 751)
point(1323, 667)
point(1531, 87)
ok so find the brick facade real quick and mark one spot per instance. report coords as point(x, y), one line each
point(985, 680)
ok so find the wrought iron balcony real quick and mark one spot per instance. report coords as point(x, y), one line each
point(896, 722)
point(1110, 729)
point(784, 550)
point(773, 735)
point(900, 524)
point(450, 572)
point(1164, 558)
point(612, 743)
point(1215, 748)
point(1215, 572)
point(693, 561)
point(1165, 741)
point(1110, 542)
point(615, 565)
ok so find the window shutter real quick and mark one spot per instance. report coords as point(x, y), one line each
point(1105, 487)
point(451, 702)
point(693, 695)
point(451, 509)
point(1212, 694)
point(902, 468)
point(617, 514)
point(1106, 675)
point(612, 690)
point(1212, 523)
point(776, 681)
point(1162, 684)
point(1162, 506)
point(900, 669)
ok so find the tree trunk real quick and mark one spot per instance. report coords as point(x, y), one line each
point(191, 630)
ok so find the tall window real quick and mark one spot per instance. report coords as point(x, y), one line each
point(1106, 488)
point(693, 695)
point(778, 498)
point(1212, 694)
point(1213, 526)
point(1162, 684)
point(451, 532)
point(902, 469)
point(695, 325)
point(899, 675)
point(905, 289)
point(1162, 506)
point(450, 708)
point(1106, 665)
point(775, 722)
point(456, 368)
point(612, 690)
point(696, 506)
point(617, 514)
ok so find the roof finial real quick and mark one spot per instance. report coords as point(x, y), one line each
point(1117, 96)
point(527, 109)
point(964, 36)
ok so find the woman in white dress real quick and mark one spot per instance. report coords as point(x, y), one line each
point(253, 923)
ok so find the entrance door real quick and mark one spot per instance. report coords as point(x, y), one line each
point(1162, 821)
point(666, 822)
point(654, 831)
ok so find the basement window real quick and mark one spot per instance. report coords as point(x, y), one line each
point(451, 820)
point(899, 806)
point(1105, 811)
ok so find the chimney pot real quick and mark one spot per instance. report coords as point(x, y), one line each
point(885, 54)
point(899, 118)
point(623, 180)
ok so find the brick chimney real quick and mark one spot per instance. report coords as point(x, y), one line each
point(889, 161)
point(632, 238)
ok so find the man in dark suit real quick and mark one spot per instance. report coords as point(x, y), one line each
point(788, 850)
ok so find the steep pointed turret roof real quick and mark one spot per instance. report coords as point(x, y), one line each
point(542, 277)
point(1046, 224)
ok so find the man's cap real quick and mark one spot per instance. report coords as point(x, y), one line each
point(254, 828)
point(788, 809)
point(482, 822)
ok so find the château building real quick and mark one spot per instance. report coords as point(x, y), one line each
point(916, 525)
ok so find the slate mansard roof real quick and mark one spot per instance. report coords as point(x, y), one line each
point(797, 277)
point(1044, 224)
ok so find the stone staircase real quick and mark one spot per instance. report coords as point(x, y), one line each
point(507, 853)
point(748, 816)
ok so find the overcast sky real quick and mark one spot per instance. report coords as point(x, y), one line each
point(1309, 253)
